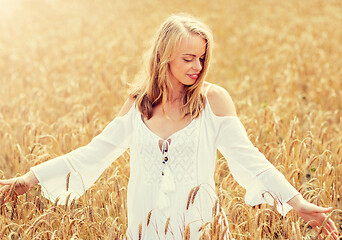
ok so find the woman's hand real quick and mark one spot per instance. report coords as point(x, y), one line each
point(16, 186)
point(314, 215)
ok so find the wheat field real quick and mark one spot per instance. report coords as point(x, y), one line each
point(64, 73)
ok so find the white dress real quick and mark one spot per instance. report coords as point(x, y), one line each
point(191, 155)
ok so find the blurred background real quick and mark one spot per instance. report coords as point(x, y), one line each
point(64, 73)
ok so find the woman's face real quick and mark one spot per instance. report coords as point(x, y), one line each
point(187, 61)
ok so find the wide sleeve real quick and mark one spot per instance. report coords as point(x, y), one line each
point(73, 173)
point(250, 168)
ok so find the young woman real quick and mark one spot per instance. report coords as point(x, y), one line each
point(173, 124)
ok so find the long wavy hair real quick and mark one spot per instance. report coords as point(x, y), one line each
point(155, 87)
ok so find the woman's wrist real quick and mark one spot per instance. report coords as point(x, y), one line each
point(296, 202)
point(30, 179)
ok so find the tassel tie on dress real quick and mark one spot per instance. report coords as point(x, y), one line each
point(167, 183)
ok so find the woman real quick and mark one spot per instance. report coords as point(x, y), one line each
point(173, 123)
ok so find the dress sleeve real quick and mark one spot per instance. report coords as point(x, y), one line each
point(73, 173)
point(250, 168)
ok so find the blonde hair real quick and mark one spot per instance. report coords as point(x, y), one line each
point(154, 89)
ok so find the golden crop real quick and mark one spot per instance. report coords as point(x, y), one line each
point(64, 69)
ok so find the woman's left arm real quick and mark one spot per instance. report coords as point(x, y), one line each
point(262, 181)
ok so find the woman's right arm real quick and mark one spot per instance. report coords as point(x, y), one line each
point(30, 179)
point(76, 171)
point(17, 186)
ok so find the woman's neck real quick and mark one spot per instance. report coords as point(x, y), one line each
point(176, 93)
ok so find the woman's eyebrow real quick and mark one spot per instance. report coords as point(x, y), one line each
point(193, 55)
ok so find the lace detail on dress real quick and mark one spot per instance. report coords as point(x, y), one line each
point(183, 149)
point(149, 156)
point(181, 154)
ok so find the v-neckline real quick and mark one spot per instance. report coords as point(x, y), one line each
point(180, 130)
point(169, 137)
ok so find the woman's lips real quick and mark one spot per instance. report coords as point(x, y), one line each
point(193, 76)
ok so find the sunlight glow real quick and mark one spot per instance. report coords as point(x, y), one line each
point(8, 7)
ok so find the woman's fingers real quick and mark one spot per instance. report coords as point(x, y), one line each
point(4, 189)
point(7, 198)
point(330, 232)
point(323, 209)
point(317, 209)
point(318, 218)
point(333, 229)
point(4, 193)
point(9, 190)
point(7, 182)
point(329, 228)
point(332, 235)
point(18, 181)
point(9, 195)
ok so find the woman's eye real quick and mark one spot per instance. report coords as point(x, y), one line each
point(187, 60)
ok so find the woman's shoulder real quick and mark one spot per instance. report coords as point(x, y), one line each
point(127, 106)
point(219, 99)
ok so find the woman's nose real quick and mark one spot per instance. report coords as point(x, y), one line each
point(197, 65)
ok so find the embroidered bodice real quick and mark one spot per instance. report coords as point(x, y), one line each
point(182, 146)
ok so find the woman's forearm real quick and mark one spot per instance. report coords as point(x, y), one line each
point(30, 179)
point(296, 202)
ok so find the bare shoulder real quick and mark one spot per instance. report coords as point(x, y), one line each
point(127, 106)
point(220, 101)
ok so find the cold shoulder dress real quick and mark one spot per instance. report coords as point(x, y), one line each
point(162, 178)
